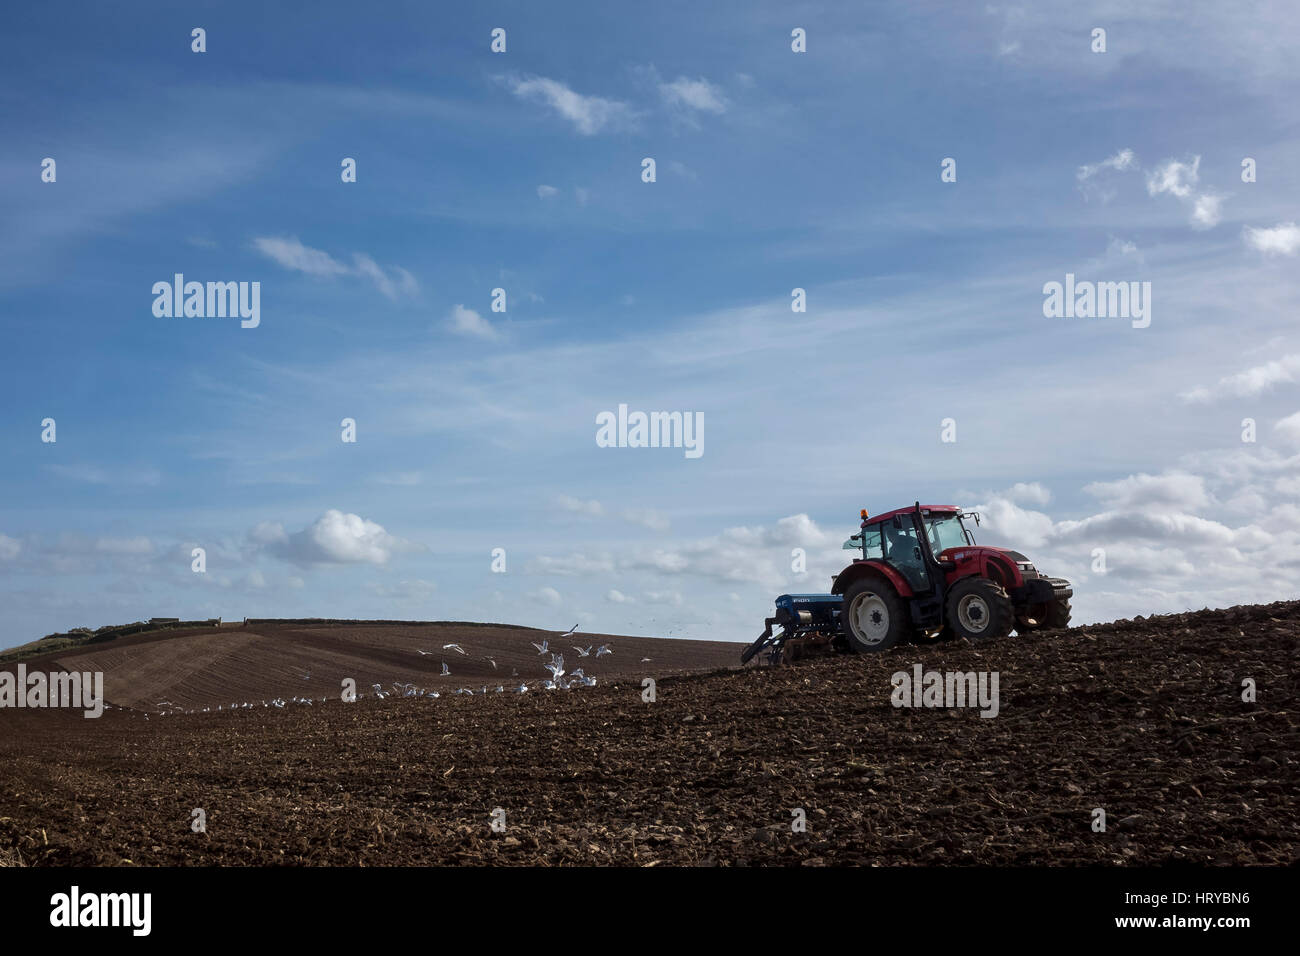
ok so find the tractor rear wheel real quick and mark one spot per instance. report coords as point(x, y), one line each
point(979, 610)
point(875, 618)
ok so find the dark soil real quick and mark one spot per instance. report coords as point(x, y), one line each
point(1143, 719)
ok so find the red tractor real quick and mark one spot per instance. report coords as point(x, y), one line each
point(921, 575)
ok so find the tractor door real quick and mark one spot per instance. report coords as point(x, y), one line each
point(903, 551)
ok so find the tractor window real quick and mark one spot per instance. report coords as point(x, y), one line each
point(903, 551)
point(873, 543)
point(946, 532)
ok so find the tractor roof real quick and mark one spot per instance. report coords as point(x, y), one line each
point(938, 509)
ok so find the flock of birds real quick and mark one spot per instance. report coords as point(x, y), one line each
point(560, 679)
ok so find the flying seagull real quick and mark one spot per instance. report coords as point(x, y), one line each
point(556, 667)
point(603, 649)
point(454, 647)
point(571, 631)
point(492, 662)
point(581, 652)
point(543, 647)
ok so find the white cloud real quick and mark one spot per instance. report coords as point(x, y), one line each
point(401, 283)
point(1174, 177)
point(647, 518)
point(590, 507)
point(1206, 211)
point(1159, 557)
point(1287, 485)
point(290, 253)
point(1156, 526)
point(1123, 249)
point(670, 598)
point(572, 565)
point(465, 321)
point(94, 475)
point(548, 596)
point(681, 169)
point(617, 597)
point(1289, 428)
point(1250, 382)
point(1283, 239)
point(1179, 179)
point(546, 192)
point(1171, 491)
point(757, 555)
point(588, 114)
point(9, 547)
point(140, 545)
point(1028, 493)
point(1121, 161)
point(333, 538)
point(699, 95)
point(1018, 527)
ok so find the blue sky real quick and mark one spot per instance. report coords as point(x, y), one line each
point(522, 170)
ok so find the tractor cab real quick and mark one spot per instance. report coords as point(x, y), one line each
point(914, 541)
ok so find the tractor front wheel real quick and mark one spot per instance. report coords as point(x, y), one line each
point(979, 610)
point(875, 618)
point(1048, 616)
point(1058, 613)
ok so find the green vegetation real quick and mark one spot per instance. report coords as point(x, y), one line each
point(81, 636)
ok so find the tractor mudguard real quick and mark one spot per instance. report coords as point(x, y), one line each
point(850, 575)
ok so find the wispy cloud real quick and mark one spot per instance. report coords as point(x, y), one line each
point(289, 253)
point(464, 321)
point(697, 95)
point(1121, 161)
point(1180, 178)
point(588, 114)
point(95, 475)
